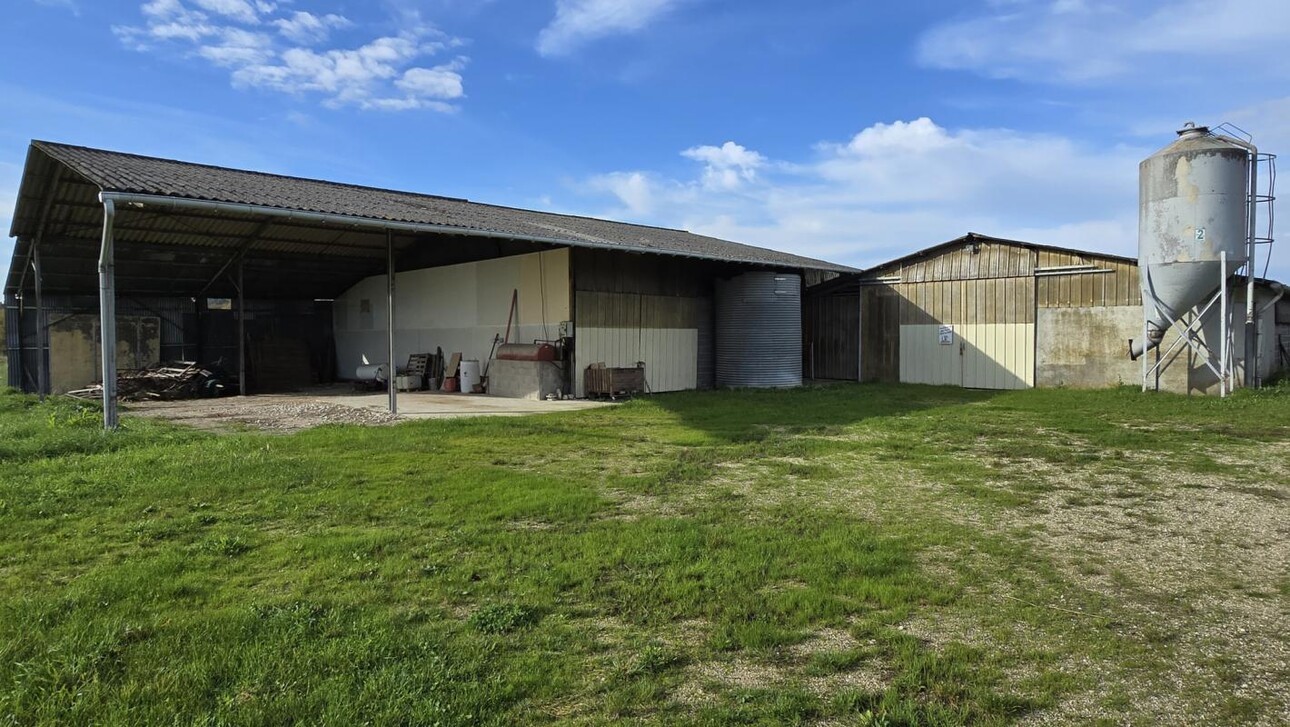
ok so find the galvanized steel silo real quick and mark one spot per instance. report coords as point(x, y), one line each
point(759, 330)
point(1192, 208)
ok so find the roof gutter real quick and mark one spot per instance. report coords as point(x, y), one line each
point(330, 218)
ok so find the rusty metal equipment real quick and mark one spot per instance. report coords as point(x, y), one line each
point(603, 381)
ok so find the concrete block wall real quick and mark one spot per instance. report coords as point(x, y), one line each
point(524, 379)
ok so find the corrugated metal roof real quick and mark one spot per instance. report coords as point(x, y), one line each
point(130, 173)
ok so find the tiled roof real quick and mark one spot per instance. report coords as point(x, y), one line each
point(120, 172)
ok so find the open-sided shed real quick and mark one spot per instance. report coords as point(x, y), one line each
point(212, 251)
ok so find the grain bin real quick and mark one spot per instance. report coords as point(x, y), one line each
point(1192, 210)
point(759, 330)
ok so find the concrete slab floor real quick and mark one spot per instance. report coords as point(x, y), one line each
point(440, 405)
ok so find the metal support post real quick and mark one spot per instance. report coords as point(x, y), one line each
point(391, 384)
point(1145, 316)
point(1251, 329)
point(1155, 380)
point(22, 341)
point(42, 363)
point(1224, 367)
point(107, 315)
point(241, 332)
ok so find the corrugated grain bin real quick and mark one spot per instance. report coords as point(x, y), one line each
point(759, 331)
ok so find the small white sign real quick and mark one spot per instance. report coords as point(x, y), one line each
point(946, 335)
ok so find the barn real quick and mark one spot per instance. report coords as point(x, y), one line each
point(288, 282)
point(990, 313)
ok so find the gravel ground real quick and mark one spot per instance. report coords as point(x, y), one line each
point(266, 413)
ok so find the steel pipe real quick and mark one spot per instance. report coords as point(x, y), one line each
point(241, 332)
point(391, 384)
point(107, 315)
point(1251, 328)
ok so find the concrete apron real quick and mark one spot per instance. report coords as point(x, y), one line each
point(440, 405)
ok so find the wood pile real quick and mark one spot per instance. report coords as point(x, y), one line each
point(164, 381)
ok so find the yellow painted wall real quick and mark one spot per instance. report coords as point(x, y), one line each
point(980, 356)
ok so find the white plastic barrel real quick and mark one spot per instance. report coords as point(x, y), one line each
point(469, 375)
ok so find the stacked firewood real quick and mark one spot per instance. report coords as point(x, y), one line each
point(164, 381)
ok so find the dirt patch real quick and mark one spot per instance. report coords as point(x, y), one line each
point(1181, 558)
point(269, 414)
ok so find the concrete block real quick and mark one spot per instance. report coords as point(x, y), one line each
point(524, 379)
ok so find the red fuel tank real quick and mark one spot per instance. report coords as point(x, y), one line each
point(526, 352)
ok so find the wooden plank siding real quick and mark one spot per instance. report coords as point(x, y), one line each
point(991, 260)
point(959, 302)
point(880, 333)
point(630, 308)
point(831, 334)
point(1087, 290)
point(992, 292)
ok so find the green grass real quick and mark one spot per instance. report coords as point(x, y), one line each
point(619, 564)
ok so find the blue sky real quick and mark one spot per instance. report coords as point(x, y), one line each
point(846, 130)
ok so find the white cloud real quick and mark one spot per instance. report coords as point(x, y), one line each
point(237, 47)
point(306, 28)
point(1083, 41)
point(439, 82)
point(238, 10)
point(579, 21)
point(383, 74)
point(633, 190)
point(726, 166)
point(895, 187)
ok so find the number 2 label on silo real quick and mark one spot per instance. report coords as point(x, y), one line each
point(1200, 233)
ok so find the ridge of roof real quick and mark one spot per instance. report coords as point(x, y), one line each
point(976, 236)
point(51, 148)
